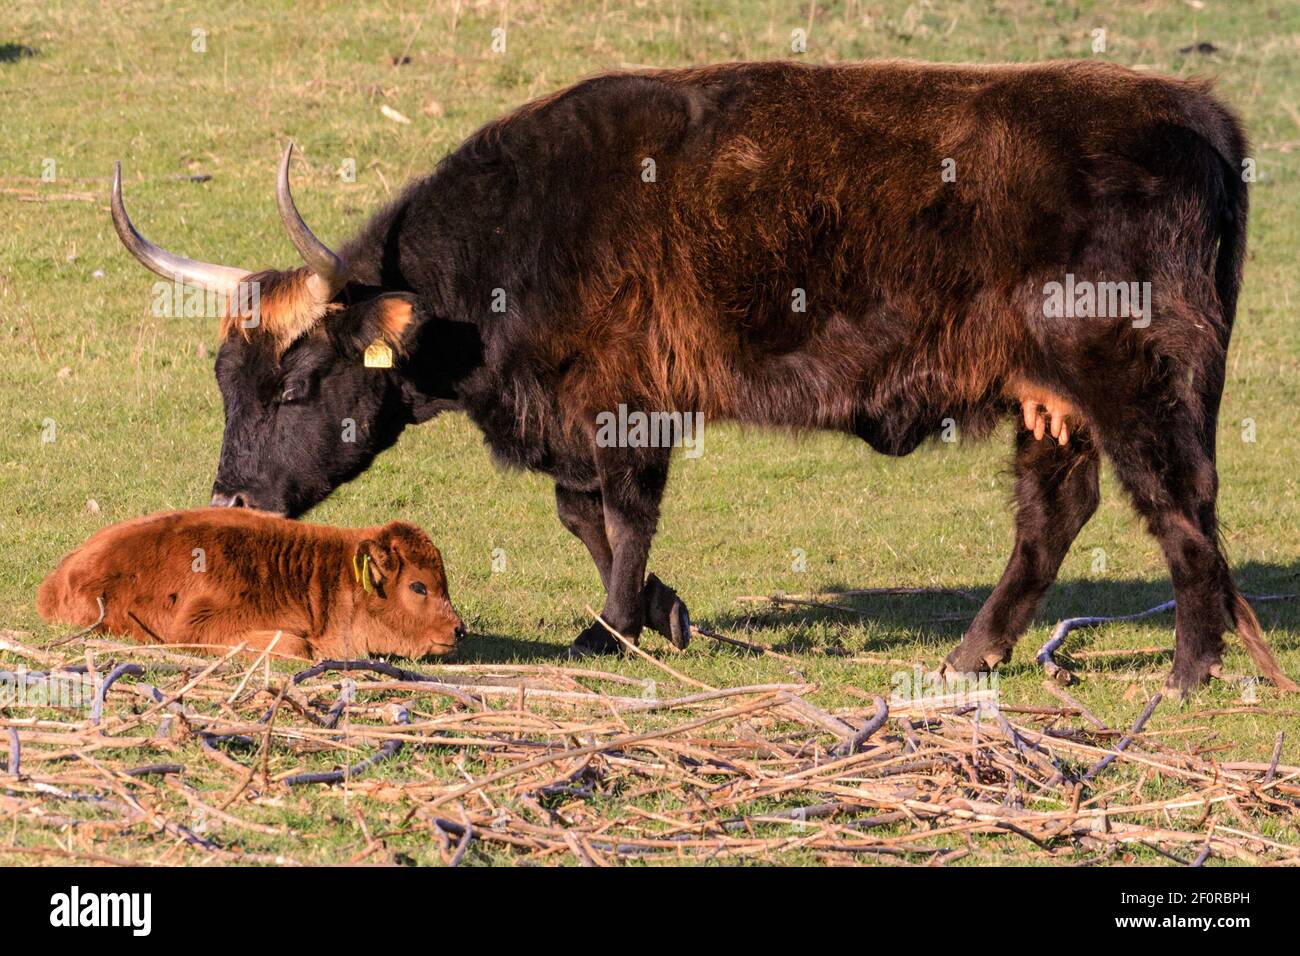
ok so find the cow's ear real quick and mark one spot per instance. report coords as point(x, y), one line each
point(374, 562)
point(386, 321)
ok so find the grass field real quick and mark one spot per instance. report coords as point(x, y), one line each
point(135, 416)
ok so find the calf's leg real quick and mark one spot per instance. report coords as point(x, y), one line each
point(203, 622)
point(282, 644)
point(583, 513)
point(1056, 494)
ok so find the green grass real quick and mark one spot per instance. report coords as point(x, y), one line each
point(138, 418)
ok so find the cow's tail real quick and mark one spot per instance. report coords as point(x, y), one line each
point(1248, 629)
point(1229, 205)
point(1222, 171)
point(1233, 211)
point(1227, 202)
point(1231, 257)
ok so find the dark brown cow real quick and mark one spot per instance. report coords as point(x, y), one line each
point(218, 577)
point(883, 249)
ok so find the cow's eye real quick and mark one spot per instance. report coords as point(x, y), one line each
point(419, 588)
point(291, 393)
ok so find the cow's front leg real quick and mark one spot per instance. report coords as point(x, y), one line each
point(583, 514)
point(667, 613)
point(631, 485)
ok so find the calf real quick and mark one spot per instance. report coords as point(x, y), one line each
point(218, 577)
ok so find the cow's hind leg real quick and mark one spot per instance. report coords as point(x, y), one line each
point(1168, 468)
point(1056, 494)
point(583, 514)
point(1173, 483)
point(1161, 441)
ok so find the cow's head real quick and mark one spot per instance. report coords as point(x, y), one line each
point(307, 408)
point(404, 607)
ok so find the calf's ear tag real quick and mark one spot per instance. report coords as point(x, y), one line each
point(379, 354)
point(361, 571)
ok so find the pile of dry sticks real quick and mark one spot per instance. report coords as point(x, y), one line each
point(182, 759)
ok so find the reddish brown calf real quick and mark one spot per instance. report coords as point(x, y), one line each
point(218, 577)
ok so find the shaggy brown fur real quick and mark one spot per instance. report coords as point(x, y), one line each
point(218, 577)
point(287, 307)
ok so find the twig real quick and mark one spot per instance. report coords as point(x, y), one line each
point(1045, 656)
point(1277, 755)
point(234, 695)
point(85, 630)
point(462, 846)
point(14, 768)
point(1136, 729)
point(155, 769)
point(389, 749)
point(118, 672)
point(1062, 695)
point(632, 648)
point(737, 642)
point(870, 727)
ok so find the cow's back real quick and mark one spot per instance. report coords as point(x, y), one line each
point(832, 247)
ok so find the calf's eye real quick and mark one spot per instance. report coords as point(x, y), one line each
point(419, 588)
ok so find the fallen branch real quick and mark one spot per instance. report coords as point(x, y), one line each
point(1046, 654)
point(1136, 729)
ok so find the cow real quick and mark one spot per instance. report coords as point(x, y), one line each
point(881, 249)
point(220, 577)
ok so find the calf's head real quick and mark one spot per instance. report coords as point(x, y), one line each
point(403, 607)
point(312, 365)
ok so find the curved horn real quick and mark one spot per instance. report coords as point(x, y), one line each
point(169, 265)
point(320, 259)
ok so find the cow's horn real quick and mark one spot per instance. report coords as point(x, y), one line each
point(323, 261)
point(169, 265)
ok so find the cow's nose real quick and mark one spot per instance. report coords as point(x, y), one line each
point(459, 632)
point(222, 500)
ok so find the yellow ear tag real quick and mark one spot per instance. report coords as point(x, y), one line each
point(361, 571)
point(379, 354)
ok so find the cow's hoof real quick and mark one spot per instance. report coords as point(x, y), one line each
point(973, 657)
point(1177, 691)
point(667, 613)
point(1184, 680)
point(593, 641)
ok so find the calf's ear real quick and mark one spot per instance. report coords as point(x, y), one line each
point(375, 562)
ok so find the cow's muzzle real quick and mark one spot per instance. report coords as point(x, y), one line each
point(236, 500)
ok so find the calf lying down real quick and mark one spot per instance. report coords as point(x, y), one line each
point(218, 577)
